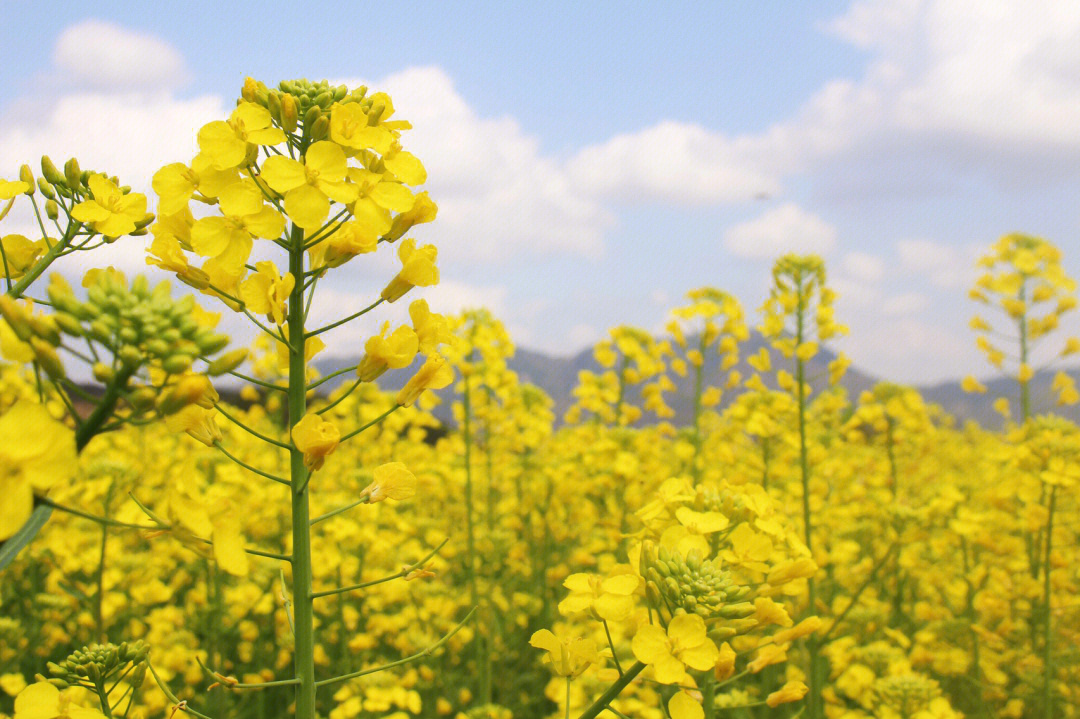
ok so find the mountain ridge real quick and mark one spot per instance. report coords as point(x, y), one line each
point(558, 376)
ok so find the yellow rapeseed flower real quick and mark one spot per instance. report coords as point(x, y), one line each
point(36, 453)
point(110, 212)
point(669, 653)
point(316, 438)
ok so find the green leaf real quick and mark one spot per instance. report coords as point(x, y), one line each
point(15, 543)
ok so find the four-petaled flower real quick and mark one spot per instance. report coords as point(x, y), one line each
point(685, 644)
point(110, 212)
point(309, 186)
point(567, 657)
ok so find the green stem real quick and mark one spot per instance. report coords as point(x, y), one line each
point(34, 272)
point(303, 617)
point(1048, 659)
point(804, 470)
point(613, 691)
point(93, 424)
point(412, 658)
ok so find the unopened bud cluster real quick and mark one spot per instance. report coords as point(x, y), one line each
point(693, 585)
point(139, 324)
point(97, 662)
point(907, 693)
point(731, 504)
point(303, 104)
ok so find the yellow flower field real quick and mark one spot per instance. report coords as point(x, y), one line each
point(173, 545)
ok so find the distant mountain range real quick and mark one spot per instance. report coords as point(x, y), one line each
point(559, 375)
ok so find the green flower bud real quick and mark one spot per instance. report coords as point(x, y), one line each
point(227, 362)
point(321, 128)
point(50, 173)
point(289, 114)
point(17, 317)
point(130, 356)
point(324, 100)
point(177, 363)
point(52, 210)
point(142, 398)
point(212, 344)
point(28, 177)
point(72, 174)
point(46, 189)
point(273, 104)
point(45, 328)
point(313, 113)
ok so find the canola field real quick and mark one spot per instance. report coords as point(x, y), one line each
point(789, 551)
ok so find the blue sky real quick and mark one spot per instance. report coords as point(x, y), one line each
point(593, 162)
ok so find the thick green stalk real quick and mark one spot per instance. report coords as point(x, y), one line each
point(698, 372)
point(804, 469)
point(1048, 658)
point(613, 691)
point(1025, 389)
point(301, 528)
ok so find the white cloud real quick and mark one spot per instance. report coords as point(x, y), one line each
point(907, 303)
point(783, 229)
point(498, 196)
point(990, 85)
point(104, 55)
point(852, 295)
point(943, 265)
point(908, 349)
point(130, 135)
point(671, 162)
point(863, 266)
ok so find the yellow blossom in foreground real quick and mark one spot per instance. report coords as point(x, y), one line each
point(12, 684)
point(265, 291)
point(392, 480)
point(19, 255)
point(199, 424)
point(224, 143)
point(608, 598)
point(316, 438)
point(417, 270)
point(684, 706)
point(110, 212)
point(44, 701)
point(434, 374)
point(790, 692)
point(10, 189)
point(567, 657)
point(767, 656)
point(383, 352)
point(309, 186)
point(669, 653)
point(36, 453)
